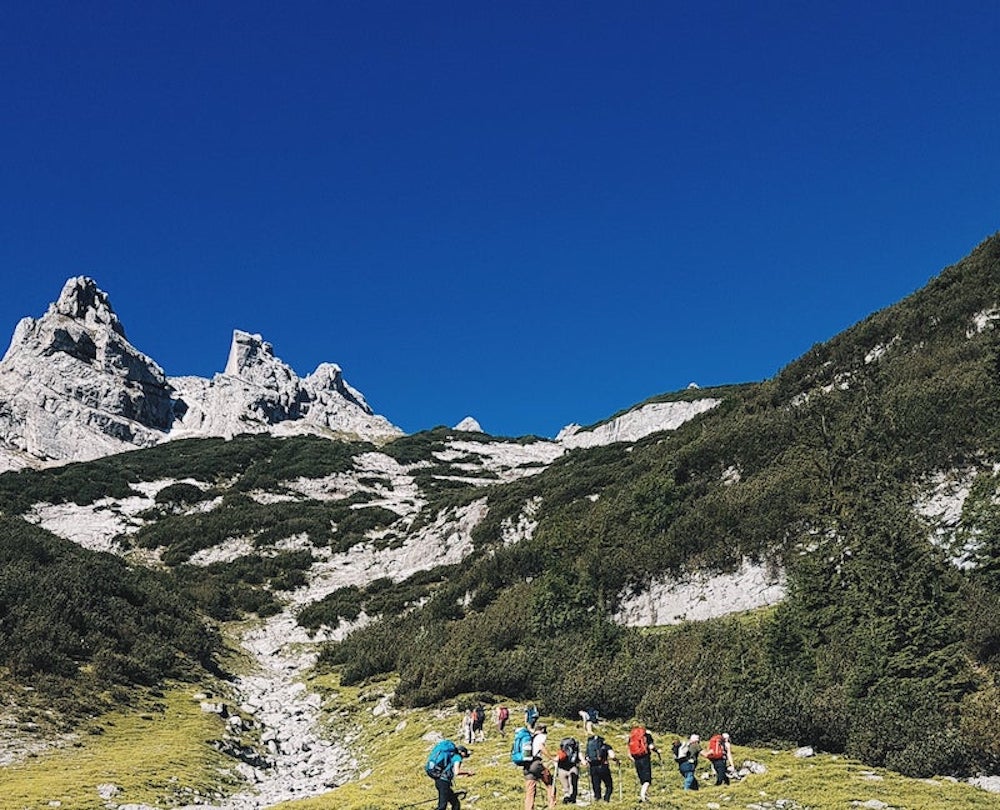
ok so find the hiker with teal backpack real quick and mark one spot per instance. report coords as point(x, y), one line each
point(538, 771)
point(443, 764)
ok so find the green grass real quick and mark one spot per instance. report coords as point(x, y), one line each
point(157, 757)
point(393, 752)
point(160, 757)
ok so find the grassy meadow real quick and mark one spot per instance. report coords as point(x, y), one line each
point(159, 757)
point(156, 756)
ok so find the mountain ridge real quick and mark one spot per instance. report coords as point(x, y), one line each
point(854, 497)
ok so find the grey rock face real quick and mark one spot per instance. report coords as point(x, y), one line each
point(73, 388)
point(258, 392)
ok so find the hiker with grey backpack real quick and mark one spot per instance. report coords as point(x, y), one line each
point(568, 768)
point(686, 757)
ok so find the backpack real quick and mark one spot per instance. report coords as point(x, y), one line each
point(592, 715)
point(531, 715)
point(716, 749)
point(569, 753)
point(596, 752)
point(439, 758)
point(638, 746)
point(682, 752)
point(504, 713)
point(520, 751)
point(480, 715)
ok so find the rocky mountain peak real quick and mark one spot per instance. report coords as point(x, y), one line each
point(73, 388)
point(251, 359)
point(82, 300)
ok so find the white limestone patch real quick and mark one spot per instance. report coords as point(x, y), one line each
point(878, 351)
point(981, 320)
point(446, 541)
point(702, 596)
point(508, 461)
point(96, 525)
point(941, 504)
point(521, 528)
point(637, 423)
point(375, 474)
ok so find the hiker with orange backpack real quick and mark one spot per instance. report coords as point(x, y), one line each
point(640, 751)
point(720, 753)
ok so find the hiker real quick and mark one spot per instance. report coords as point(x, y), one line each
point(443, 765)
point(568, 768)
point(502, 715)
point(599, 756)
point(640, 751)
point(478, 718)
point(589, 717)
point(530, 716)
point(536, 771)
point(686, 757)
point(719, 752)
point(467, 721)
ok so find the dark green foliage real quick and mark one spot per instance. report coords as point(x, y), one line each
point(326, 523)
point(259, 461)
point(229, 590)
point(63, 609)
point(300, 457)
point(180, 495)
point(874, 652)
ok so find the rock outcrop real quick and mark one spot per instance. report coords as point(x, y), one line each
point(73, 388)
point(257, 392)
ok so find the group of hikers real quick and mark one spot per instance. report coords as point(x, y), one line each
point(543, 765)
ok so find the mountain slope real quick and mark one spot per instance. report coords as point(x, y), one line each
point(857, 490)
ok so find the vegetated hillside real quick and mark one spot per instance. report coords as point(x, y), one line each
point(82, 628)
point(885, 647)
point(214, 531)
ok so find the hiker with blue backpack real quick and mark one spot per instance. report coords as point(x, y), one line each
point(529, 752)
point(443, 764)
point(599, 755)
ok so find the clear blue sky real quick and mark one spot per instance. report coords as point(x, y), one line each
point(533, 213)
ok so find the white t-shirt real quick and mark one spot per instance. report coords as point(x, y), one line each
point(538, 743)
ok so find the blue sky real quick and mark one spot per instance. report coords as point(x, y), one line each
point(532, 213)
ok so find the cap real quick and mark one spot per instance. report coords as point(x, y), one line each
point(464, 752)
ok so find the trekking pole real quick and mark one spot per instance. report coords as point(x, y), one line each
point(619, 780)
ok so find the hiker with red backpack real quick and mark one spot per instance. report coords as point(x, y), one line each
point(720, 753)
point(502, 716)
point(640, 751)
